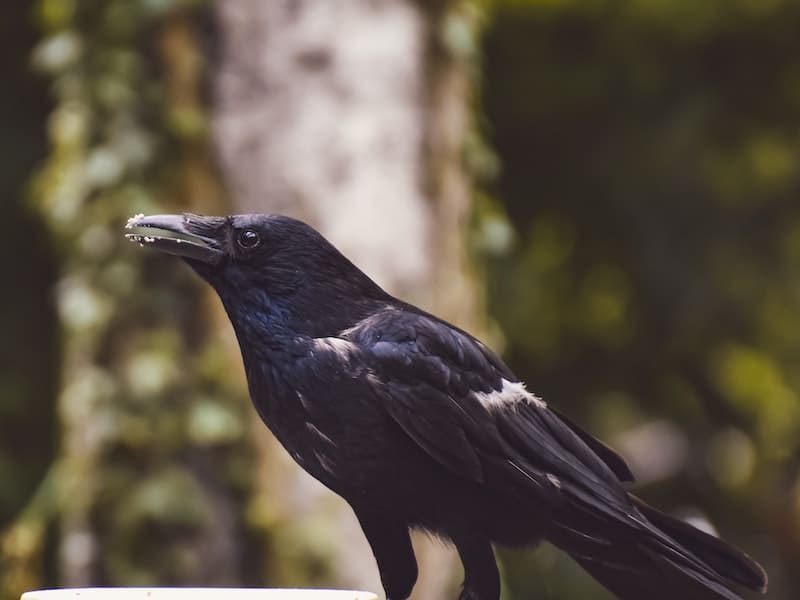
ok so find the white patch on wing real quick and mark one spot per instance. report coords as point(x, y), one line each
point(333, 344)
point(512, 393)
point(369, 321)
point(554, 480)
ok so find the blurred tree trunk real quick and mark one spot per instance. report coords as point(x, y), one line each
point(352, 116)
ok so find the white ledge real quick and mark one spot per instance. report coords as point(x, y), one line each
point(186, 593)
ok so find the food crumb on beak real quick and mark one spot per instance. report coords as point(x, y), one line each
point(141, 239)
point(133, 220)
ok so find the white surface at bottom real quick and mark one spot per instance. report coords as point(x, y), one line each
point(194, 594)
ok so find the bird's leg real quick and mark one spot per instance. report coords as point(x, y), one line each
point(391, 545)
point(481, 578)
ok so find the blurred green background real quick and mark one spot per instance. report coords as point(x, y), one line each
point(635, 225)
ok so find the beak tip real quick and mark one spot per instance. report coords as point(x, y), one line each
point(134, 220)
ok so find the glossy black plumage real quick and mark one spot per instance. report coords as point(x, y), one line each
point(419, 425)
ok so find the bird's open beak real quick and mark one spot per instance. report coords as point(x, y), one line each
point(188, 236)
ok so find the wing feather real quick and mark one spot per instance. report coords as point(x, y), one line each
point(450, 394)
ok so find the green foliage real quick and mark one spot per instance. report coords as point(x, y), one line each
point(146, 484)
point(649, 158)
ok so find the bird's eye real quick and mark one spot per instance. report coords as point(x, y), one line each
point(248, 238)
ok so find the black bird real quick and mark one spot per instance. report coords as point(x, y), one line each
point(417, 424)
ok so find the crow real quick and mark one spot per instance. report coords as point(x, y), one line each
point(419, 425)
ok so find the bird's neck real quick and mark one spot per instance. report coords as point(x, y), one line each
point(262, 326)
point(270, 343)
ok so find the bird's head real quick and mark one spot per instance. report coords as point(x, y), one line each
point(265, 265)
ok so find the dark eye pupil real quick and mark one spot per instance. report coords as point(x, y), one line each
point(248, 238)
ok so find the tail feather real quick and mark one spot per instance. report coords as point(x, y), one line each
point(654, 577)
point(723, 558)
point(657, 557)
